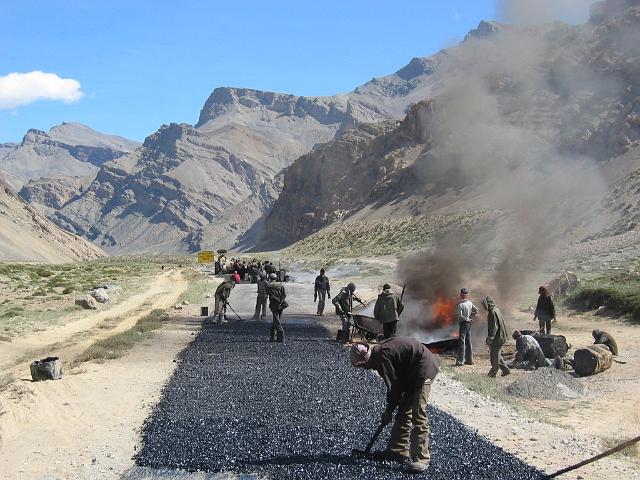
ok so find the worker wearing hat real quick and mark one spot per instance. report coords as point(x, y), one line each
point(408, 369)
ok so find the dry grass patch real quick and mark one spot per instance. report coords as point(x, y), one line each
point(117, 345)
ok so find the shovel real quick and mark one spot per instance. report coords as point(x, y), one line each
point(366, 453)
point(239, 318)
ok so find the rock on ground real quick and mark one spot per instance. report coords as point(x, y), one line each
point(100, 295)
point(240, 404)
point(87, 302)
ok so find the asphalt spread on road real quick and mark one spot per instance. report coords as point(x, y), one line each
point(238, 403)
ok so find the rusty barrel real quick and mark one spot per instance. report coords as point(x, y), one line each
point(592, 359)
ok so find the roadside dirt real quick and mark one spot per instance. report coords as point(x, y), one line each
point(553, 434)
point(85, 425)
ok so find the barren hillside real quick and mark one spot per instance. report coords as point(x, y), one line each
point(25, 234)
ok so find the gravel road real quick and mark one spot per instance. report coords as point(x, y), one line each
point(254, 409)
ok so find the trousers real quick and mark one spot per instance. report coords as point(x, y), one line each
point(220, 307)
point(322, 295)
point(346, 321)
point(465, 349)
point(261, 306)
point(544, 321)
point(410, 431)
point(276, 326)
point(495, 355)
point(390, 329)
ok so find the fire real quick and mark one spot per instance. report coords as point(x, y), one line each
point(443, 311)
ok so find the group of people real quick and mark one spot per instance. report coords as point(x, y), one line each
point(270, 291)
point(245, 270)
point(406, 365)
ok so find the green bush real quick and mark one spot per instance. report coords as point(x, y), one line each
point(68, 290)
point(42, 272)
point(620, 294)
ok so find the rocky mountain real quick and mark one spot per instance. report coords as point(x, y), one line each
point(209, 185)
point(70, 149)
point(505, 99)
point(25, 234)
point(528, 119)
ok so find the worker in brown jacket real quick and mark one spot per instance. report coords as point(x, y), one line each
point(408, 369)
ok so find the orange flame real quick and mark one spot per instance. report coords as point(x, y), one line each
point(442, 310)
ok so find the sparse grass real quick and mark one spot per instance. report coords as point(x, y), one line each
point(488, 387)
point(196, 291)
point(379, 237)
point(117, 345)
point(29, 290)
point(619, 291)
point(5, 381)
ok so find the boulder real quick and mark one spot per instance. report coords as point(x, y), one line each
point(564, 284)
point(100, 295)
point(601, 310)
point(87, 302)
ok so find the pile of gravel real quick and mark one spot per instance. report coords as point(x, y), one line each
point(547, 383)
point(240, 404)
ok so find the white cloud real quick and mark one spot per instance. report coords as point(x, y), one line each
point(19, 89)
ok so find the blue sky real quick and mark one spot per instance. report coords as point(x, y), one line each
point(144, 63)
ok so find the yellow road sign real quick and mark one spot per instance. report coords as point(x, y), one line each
point(206, 256)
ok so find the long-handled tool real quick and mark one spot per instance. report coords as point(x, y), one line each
point(611, 451)
point(239, 318)
point(366, 453)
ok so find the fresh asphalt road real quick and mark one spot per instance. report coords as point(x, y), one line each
point(241, 406)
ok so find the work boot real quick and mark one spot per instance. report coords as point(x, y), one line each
point(505, 372)
point(280, 336)
point(491, 374)
point(469, 362)
point(390, 456)
point(417, 467)
point(273, 335)
point(458, 364)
